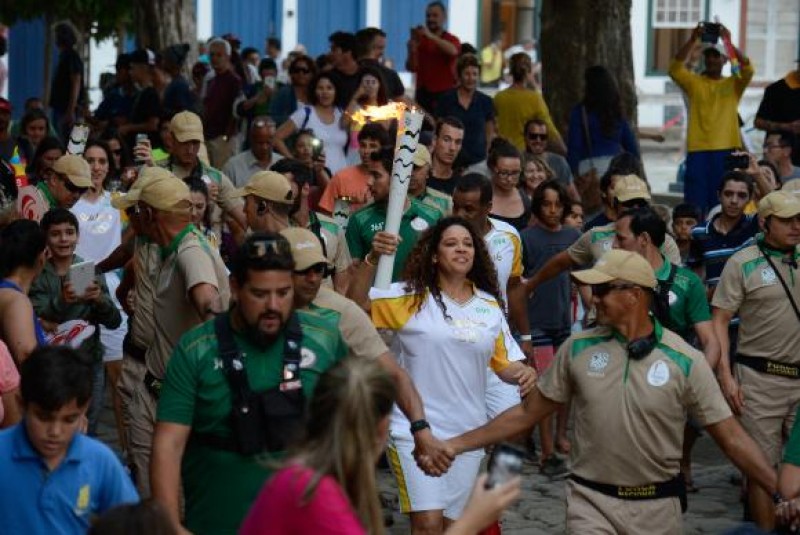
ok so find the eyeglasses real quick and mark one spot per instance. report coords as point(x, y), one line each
point(299, 71)
point(261, 248)
point(317, 269)
point(508, 174)
point(534, 136)
point(601, 290)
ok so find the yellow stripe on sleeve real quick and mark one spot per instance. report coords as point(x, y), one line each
point(500, 360)
point(516, 266)
point(393, 312)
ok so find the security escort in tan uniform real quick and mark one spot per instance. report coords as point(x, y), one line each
point(760, 283)
point(190, 287)
point(186, 129)
point(630, 382)
point(630, 191)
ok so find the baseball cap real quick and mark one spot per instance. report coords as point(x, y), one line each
point(780, 204)
point(268, 185)
point(617, 264)
point(147, 175)
point(422, 156)
point(186, 126)
point(76, 170)
point(143, 56)
point(630, 187)
point(5, 105)
point(306, 248)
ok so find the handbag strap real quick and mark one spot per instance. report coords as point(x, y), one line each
point(783, 282)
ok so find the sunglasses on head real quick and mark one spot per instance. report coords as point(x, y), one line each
point(535, 136)
point(604, 289)
point(262, 248)
point(317, 269)
point(299, 70)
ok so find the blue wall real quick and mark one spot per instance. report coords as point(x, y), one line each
point(317, 19)
point(397, 18)
point(252, 20)
point(26, 63)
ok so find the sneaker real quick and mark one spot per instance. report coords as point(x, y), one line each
point(554, 467)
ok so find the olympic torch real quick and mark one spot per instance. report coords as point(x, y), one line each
point(410, 124)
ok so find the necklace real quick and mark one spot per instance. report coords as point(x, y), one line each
point(459, 299)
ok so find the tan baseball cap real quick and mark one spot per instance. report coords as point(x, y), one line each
point(268, 185)
point(147, 175)
point(422, 156)
point(306, 248)
point(76, 170)
point(617, 264)
point(630, 187)
point(186, 126)
point(780, 204)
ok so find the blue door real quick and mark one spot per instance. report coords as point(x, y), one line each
point(251, 20)
point(397, 18)
point(317, 19)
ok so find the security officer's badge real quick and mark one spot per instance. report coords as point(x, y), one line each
point(597, 364)
point(607, 245)
point(768, 275)
point(658, 374)
point(419, 224)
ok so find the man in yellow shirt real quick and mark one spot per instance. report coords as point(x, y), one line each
point(492, 62)
point(712, 101)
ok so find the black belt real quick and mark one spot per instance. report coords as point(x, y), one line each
point(153, 384)
point(771, 367)
point(130, 348)
point(674, 488)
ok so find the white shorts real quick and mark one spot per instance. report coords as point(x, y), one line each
point(420, 492)
point(500, 396)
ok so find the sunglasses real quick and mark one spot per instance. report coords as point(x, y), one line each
point(534, 136)
point(601, 290)
point(261, 248)
point(299, 71)
point(317, 269)
point(508, 174)
point(72, 188)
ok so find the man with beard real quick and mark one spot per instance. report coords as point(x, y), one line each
point(257, 343)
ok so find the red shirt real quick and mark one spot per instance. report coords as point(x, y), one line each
point(280, 508)
point(436, 71)
point(221, 92)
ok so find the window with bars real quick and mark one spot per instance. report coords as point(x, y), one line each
point(670, 24)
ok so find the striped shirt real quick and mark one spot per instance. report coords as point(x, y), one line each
point(711, 249)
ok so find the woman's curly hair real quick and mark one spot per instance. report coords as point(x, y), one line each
point(421, 273)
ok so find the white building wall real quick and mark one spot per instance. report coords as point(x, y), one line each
point(289, 31)
point(462, 20)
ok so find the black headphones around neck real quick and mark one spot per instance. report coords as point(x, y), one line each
point(641, 347)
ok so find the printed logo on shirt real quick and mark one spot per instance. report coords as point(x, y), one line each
point(466, 330)
point(376, 227)
point(768, 275)
point(598, 363)
point(84, 499)
point(307, 358)
point(658, 374)
point(419, 224)
point(672, 298)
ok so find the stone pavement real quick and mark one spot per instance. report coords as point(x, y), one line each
point(540, 510)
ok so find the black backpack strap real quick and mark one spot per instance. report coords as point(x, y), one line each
point(661, 302)
point(232, 363)
point(783, 282)
point(316, 227)
point(293, 339)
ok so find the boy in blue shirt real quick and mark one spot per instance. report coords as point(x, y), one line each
point(56, 479)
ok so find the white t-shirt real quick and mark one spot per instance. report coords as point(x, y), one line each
point(333, 137)
point(446, 358)
point(100, 226)
point(505, 248)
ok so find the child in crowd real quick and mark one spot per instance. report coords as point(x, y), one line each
point(685, 217)
point(55, 478)
point(55, 301)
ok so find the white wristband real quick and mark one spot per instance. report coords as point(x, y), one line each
point(525, 338)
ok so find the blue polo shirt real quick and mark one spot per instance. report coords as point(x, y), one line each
point(33, 500)
point(474, 117)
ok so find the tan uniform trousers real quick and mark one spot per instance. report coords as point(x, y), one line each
point(141, 423)
point(589, 511)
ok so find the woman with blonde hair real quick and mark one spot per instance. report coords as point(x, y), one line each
point(535, 171)
point(328, 484)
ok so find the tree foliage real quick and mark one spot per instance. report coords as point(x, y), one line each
point(99, 18)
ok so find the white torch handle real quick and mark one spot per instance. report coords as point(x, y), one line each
point(401, 173)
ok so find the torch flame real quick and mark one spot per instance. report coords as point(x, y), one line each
point(392, 110)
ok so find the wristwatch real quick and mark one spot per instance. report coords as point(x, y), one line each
point(419, 425)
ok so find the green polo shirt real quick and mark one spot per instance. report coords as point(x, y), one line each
point(437, 199)
point(688, 304)
point(369, 220)
point(219, 486)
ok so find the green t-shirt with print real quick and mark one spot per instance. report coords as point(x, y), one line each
point(688, 304)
